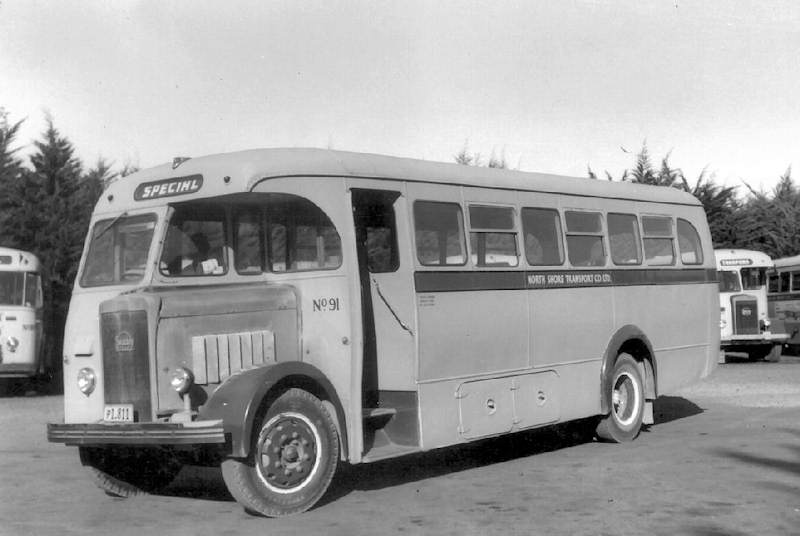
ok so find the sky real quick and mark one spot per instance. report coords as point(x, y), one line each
point(551, 86)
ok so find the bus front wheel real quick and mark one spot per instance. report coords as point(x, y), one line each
point(625, 396)
point(293, 459)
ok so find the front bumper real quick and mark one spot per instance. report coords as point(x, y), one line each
point(755, 339)
point(18, 370)
point(197, 432)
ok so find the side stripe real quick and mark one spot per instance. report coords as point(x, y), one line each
point(456, 281)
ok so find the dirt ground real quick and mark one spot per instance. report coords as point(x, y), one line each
point(722, 459)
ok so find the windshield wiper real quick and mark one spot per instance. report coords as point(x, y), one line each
point(110, 225)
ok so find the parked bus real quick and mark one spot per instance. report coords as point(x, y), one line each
point(784, 298)
point(21, 355)
point(279, 311)
point(744, 320)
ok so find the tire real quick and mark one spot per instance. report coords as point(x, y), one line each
point(127, 472)
point(759, 352)
point(625, 397)
point(292, 460)
point(775, 354)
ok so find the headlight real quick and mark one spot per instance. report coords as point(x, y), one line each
point(13, 344)
point(87, 380)
point(722, 322)
point(181, 380)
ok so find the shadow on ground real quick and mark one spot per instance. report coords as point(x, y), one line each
point(671, 408)
point(207, 483)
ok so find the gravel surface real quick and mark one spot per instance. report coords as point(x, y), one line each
point(722, 459)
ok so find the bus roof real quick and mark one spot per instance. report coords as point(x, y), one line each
point(787, 261)
point(741, 258)
point(17, 260)
point(241, 171)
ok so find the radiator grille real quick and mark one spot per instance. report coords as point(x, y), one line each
point(126, 369)
point(216, 357)
point(745, 317)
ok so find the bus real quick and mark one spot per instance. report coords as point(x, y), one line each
point(278, 312)
point(744, 322)
point(783, 295)
point(21, 303)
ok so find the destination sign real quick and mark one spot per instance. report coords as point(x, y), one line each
point(736, 262)
point(168, 187)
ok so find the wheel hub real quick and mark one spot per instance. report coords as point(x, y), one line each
point(624, 399)
point(287, 452)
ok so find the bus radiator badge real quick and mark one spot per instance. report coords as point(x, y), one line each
point(124, 342)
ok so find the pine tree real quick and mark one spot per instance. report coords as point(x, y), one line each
point(10, 175)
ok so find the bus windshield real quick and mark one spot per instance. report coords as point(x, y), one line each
point(728, 281)
point(11, 288)
point(118, 250)
point(754, 278)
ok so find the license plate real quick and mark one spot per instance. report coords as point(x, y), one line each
point(118, 413)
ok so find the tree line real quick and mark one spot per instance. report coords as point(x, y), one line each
point(47, 197)
point(46, 201)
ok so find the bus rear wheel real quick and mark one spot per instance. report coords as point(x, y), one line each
point(292, 461)
point(126, 472)
point(625, 397)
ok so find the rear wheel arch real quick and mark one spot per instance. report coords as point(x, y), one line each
point(629, 340)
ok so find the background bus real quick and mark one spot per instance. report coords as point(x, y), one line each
point(744, 323)
point(21, 304)
point(783, 295)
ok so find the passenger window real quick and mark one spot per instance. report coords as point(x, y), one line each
point(585, 238)
point(689, 243)
point(195, 242)
point(795, 281)
point(300, 236)
point(658, 241)
point(784, 282)
point(488, 245)
point(773, 283)
point(248, 248)
point(541, 228)
point(439, 234)
point(623, 239)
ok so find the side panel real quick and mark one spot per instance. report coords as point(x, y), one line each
point(468, 324)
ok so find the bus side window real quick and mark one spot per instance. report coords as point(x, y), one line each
point(773, 283)
point(541, 228)
point(300, 236)
point(689, 243)
point(795, 281)
point(439, 234)
point(784, 282)
point(623, 239)
point(248, 249)
point(585, 238)
point(658, 242)
point(488, 246)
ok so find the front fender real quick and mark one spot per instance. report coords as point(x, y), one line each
point(237, 401)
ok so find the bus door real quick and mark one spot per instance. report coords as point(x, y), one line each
point(386, 278)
